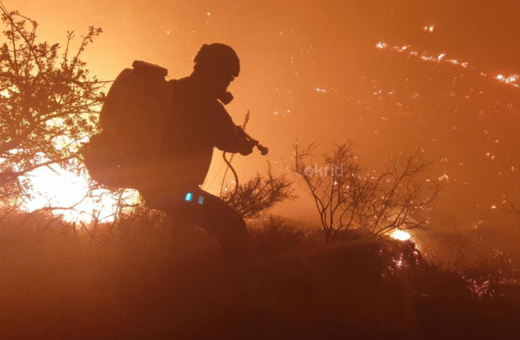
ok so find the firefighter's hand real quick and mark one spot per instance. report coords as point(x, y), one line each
point(247, 144)
point(247, 148)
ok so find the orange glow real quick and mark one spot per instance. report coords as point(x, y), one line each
point(316, 72)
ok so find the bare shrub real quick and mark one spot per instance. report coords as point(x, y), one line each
point(348, 196)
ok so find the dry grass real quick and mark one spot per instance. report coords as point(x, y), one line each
point(144, 283)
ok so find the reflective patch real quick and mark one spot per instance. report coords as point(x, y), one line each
point(188, 197)
point(201, 199)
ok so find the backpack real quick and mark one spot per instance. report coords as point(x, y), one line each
point(132, 121)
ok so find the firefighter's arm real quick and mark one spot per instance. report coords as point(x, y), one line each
point(228, 136)
point(247, 145)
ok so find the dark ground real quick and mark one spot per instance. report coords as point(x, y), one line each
point(144, 284)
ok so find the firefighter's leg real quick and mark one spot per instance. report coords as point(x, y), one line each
point(193, 206)
point(215, 216)
point(181, 226)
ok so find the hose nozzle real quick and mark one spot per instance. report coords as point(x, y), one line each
point(263, 150)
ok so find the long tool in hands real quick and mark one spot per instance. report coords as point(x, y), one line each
point(263, 149)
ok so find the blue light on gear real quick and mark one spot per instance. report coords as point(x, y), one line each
point(188, 197)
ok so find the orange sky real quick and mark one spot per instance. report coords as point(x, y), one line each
point(311, 71)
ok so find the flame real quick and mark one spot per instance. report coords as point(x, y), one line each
point(480, 289)
point(440, 58)
point(509, 80)
point(444, 177)
point(57, 188)
point(400, 235)
point(428, 28)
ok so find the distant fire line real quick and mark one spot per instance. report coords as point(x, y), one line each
point(511, 80)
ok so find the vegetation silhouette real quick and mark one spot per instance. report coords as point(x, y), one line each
point(139, 282)
point(47, 104)
point(349, 196)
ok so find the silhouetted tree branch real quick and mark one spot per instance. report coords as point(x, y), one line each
point(512, 207)
point(48, 101)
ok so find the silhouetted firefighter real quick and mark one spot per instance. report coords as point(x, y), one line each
point(166, 152)
point(187, 154)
